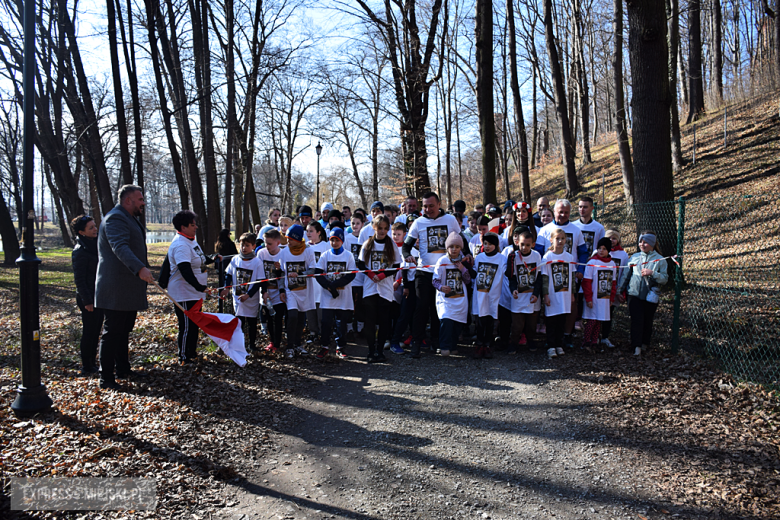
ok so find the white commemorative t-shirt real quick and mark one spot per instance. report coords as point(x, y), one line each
point(374, 262)
point(591, 234)
point(300, 291)
point(602, 278)
point(365, 232)
point(432, 235)
point(455, 304)
point(319, 248)
point(573, 237)
point(527, 269)
point(245, 271)
point(505, 300)
point(620, 258)
point(560, 275)
point(487, 286)
point(353, 245)
point(184, 250)
point(331, 262)
point(268, 268)
point(475, 244)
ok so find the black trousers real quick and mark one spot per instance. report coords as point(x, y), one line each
point(295, 326)
point(504, 326)
point(606, 326)
point(114, 344)
point(485, 330)
point(91, 323)
point(426, 308)
point(275, 323)
point(642, 315)
point(188, 333)
point(340, 317)
point(555, 325)
point(357, 297)
point(249, 328)
point(377, 315)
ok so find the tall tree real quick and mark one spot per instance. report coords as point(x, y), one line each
point(518, 104)
point(484, 91)
point(410, 62)
point(119, 100)
point(695, 72)
point(561, 108)
point(651, 131)
point(626, 165)
point(673, 15)
point(128, 48)
point(581, 80)
point(717, 49)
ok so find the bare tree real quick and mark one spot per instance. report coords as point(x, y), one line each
point(626, 166)
point(518, 104)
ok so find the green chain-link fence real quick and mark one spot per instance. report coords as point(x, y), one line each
point(725, 302)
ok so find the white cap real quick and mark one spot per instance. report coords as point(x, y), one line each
point(326, 206)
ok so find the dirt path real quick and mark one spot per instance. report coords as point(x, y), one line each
point(444, 438)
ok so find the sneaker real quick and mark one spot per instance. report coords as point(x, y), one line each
point(271, 348)
point(360, 327)
point(387, 345)
point(445, 352)
point(578, 325)
point(380, 358)
point(551, 353)
point(512, 350)
point(488, 353)
point(568, 342)
point(302, 351)
point(453, 352)
point(479, 353)
point(607, 343)
point(638, 351)
point(542, 329)
point(340, 354)
point(559, 351)
point(110, 385)
point(264, 329)
point(408, 341)
point(523, 341)
point(395, 348)
point(322, 354)
point(289, 353)
point(477, 343)
point(370, 359)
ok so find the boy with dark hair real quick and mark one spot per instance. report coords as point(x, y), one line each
point(245, 268)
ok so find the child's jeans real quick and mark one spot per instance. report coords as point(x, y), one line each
point(449, 332)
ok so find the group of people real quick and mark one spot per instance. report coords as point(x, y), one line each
point(408, 279)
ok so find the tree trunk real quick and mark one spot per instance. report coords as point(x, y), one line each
point(582, 83)
point(673, 15)
point(119, 101)
point(484, 93)
point(132, 76)
point(11, 249)
point(651, 130)
point(534, 123)
point(626, 165)
point(561, 109)
point(695, 73)
point(717, 49)
point(525, 181)
point(232, 120)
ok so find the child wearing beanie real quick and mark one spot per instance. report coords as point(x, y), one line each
point(599, 286)
point(450, 277)
point(296, 261)
point(489, 266)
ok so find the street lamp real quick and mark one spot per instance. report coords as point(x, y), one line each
point(31, 396)
point(318, 149)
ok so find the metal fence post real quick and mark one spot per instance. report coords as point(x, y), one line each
point(678, 276)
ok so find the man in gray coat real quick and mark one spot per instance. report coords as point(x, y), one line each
point(122, 276)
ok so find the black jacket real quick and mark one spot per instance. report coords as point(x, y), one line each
point(85, 261)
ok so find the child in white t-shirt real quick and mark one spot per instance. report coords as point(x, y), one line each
point(272, 291)
point(599, 286)
point(404, 282)
point(490, 267)
point(353, 244)
point(620, 258)
point(525, 284)
point(297, 261)
point(243, 269)
point(558, 290)
point(318, 243)
point(336, 295)
point(450, 278)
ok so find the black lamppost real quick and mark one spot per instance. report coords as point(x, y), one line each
point(318, 148)
point(31, 396)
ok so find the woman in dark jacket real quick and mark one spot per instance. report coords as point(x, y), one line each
point(85, 261)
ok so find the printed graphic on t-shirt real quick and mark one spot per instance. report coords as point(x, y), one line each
point(588, 237)
point(454, 282)
point(377, 261)
point(569, 242)
point(560, 275)
point(486, 273)
point(299, 283)
point(317, 255)
point(605, 284)
point(268, 267)
point(355, 250)
point(242, 276)
point(200, 254)
point(335, 267)
point(526, 277)
point(437, 238)
point(617, 261)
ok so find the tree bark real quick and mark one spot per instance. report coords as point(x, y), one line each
point(717, 49)
point(119, 101)
point(651, 130)
point(626, 165)
point(561, 109)
point(695, 73)
point(582, 83)
point(525, 181)
point(132, 76)
point(11, 250)
point(673, 15)
point(484, 93)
